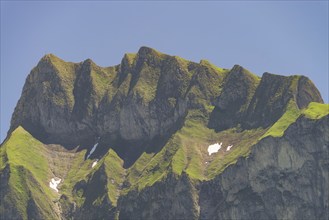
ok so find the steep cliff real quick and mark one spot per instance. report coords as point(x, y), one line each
point(282, 178)
point(131, 142)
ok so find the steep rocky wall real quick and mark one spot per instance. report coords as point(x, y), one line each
point(282, 178)
point(252, 104)
point(144, 97)
point(173, 198)
point(272, 96)
point(230, 107)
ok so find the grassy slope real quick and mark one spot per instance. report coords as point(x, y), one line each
point(115, 175)
point(316, 110)
point(313, 111)
point(187, 152)
point(29, 172)
point(290, 116)
point(188, 148)
point(29, 167)
point(82, 170)
point(193, 156)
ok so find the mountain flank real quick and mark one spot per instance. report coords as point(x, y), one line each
point(131, 141)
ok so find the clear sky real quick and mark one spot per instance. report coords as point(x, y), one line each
point(285, 37)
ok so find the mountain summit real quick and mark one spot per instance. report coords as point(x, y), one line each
point(158, 136)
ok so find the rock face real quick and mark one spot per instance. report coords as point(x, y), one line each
point(174, 198)
point(231, 105)
point(273, 95)
point(253, 104)
point(152, 118)
point(145, 97)
point(283, 178)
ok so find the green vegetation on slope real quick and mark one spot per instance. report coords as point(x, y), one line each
point(32, 165)
point(66, 73)
point(29, 172)
point(115, 175)
point(79, 171)
point(316, 110)
point(82, 171)
point(147, 83)
point(196, 138)
point(101, 80)
point(23, 150)
point(289, 117)
point(150, 167)
point(313, 111)
point(210, 65)
point(187, 151)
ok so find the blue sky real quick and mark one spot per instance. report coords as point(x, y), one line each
point(285, 37)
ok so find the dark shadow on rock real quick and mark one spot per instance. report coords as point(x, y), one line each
point(130, 151)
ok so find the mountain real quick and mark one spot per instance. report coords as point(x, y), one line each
point(137, 140)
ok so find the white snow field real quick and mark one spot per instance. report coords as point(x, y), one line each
point(214, 148)
point(229, 147)
point(94, 163)
point(54, 183)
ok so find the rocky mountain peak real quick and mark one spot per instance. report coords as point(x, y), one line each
point(122, 142)
point(88, 63)
point(147, 96)
point(148, 51)
point(50, 61)
point(237, 69)
point(238, 90)
point(306, 91)
point(49, 57)
point(253, 102)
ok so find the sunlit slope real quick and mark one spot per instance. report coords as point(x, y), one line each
point(24, 160)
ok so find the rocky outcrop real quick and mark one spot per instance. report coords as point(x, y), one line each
point(273, 95)
point(231, 105)
point(96, 204)
point(283, 178)
point(307, 91)
point(143, 99)
point(254, 104)
point(147, 97)
point(174, 198)
point(149, 117)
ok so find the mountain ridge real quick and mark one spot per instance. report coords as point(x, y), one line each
point(130, 141)
point(91, 82)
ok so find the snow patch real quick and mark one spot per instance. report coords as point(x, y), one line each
point(94, 163)
point(93, 149)
point(229, 147)
point(54, 183)
point(214, 148)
